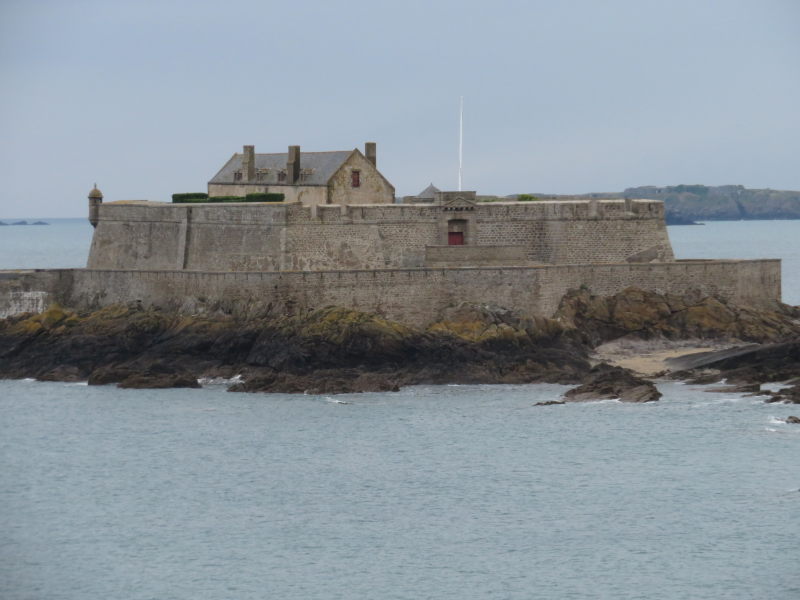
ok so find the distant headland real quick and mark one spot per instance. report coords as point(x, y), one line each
point(686, 204)
point(24, 223)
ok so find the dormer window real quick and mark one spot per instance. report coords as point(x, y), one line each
point(237, 176)
point(355, 178)
point(281, 176)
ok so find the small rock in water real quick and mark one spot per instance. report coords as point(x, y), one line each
point(159, 381)
point(792, 419)
point(550, 403)
point(605, 382)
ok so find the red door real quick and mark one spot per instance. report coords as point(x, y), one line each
point(455, 238)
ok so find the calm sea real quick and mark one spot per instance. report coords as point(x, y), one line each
point(432, 492)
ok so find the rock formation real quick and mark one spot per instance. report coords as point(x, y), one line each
point(335, 350)
point(613, 383)
point(647, 315)
point(327, 351)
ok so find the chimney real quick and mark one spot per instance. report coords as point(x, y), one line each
point(371, 152)
point(293, 164)
point(249, 163)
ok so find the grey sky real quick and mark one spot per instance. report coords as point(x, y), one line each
point(151, 98)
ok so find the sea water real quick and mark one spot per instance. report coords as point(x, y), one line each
point(430, 492)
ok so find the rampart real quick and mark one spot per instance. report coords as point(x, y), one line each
point(413, 296)
point(293, 237)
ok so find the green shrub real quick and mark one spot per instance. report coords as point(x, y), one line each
point(190, 197)
point(197, 197)
point(264, 197)
point(226, 199)
point(526, 198)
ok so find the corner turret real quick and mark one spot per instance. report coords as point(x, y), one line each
point(95, 200)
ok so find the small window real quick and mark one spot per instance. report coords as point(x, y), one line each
point(282, 176)
point(237, 176)
point(355, 178)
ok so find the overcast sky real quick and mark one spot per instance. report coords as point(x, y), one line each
point(150, 98)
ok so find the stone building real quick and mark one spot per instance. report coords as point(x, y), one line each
point(311, 178)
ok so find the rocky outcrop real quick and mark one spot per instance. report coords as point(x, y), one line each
point(336, 350)
point(605, 382)
point(647, 315)
point(748, 368)
point(330, 350)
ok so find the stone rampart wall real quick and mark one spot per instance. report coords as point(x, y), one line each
point(413, 296)
point(292, 237)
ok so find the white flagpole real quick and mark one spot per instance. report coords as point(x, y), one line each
point(460, 141)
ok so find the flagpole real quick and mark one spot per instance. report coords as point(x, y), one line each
point(460, 140)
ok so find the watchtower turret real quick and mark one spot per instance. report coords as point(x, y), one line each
point(95, 200)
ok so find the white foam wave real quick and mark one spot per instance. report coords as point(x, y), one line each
point(335, 400)
point(80, 383)
point(604, 401)
point(220, 380)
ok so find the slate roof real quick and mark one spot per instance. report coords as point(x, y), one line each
point(429, 192)
point(316, 168)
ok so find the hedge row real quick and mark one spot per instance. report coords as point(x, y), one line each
point(264, 197)
point(190, 197)
point(194, 198)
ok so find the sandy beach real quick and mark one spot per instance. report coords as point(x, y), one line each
point(649, 357)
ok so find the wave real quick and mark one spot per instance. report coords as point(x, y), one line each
point(220, 380)
point(335, 400)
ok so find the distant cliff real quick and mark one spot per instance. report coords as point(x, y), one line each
point(686, 203)
point(721, 203)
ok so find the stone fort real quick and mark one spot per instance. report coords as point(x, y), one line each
point(340, 238)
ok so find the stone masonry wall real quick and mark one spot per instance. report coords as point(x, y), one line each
point(265, 237)
point(413, 296)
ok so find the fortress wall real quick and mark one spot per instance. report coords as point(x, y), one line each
point(413, 296)
point(234, 238)
point(606, 240)
point(384, 236)
point(258, 237)
point(33, 291)
point(138, 236)
point(573, 233)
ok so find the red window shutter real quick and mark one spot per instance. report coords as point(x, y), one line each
point(455, 238)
